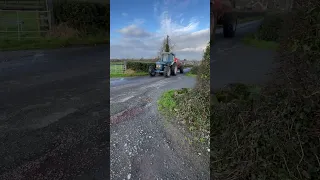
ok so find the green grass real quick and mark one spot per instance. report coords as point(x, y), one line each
point(9, 36)
point(252, 41)
point(8, 22)
point(115, 75)
point(166, 102)
point(116, 70)
point(191, 74)
point(49, 43)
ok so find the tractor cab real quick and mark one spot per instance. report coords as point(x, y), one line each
point(167, 57)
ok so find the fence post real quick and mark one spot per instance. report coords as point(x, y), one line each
point(18, 22)
point(50, 15)
point(124, 66)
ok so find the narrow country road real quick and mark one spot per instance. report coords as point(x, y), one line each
point(143, 146)
point(234, 62)
point(54, 113)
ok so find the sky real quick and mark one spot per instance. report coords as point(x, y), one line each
point(138, 27)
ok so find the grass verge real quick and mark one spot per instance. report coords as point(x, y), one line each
point(50, 43)
point(252, 41)
point(112, 75)
point(191, 74)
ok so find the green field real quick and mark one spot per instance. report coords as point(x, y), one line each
point(18, 24)
point(117, 70)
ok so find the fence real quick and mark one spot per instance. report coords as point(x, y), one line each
point(117, 67)
point(21, 24)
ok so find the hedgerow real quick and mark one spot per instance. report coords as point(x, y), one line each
point(275, 135)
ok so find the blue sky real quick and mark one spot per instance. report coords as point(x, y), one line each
point(139, 26)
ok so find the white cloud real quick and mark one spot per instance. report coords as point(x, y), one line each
point(189, 40)
point(124, 14)
point(134, 31)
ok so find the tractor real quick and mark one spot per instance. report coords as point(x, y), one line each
point(167, 65)
point(223, 13)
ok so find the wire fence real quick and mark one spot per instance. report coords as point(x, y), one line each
point(117, 67)
point(24, 24)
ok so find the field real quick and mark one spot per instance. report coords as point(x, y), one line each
point(117, 69)
point(19, 24)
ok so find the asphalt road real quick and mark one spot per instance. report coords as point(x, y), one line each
point(53, 113)
point(234, 62)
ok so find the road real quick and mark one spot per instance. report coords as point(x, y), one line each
point(143, 146)
point(53, 113)
point(234, 62)
point(55, 109)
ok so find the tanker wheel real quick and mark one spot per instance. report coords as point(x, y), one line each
point(229, 25)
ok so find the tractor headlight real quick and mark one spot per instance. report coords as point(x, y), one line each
point(158, 66)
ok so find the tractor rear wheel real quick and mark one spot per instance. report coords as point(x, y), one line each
point(229, 25)
point(167, 71)
point(174, 69)
point(181, 69)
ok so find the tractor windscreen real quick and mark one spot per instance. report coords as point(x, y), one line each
point(165, 57)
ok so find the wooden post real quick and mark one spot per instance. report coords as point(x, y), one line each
point(51, 19)
point(124, 66)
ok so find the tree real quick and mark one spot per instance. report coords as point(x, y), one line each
point(167, 45)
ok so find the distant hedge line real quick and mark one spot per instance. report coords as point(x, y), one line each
point(139, 66)
point(84, 16)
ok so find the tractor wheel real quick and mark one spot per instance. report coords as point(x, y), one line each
point(167, 71)
point(174, 69)
point(152, 71)
point(229, 25)
point(161, 74)
point(181, 69)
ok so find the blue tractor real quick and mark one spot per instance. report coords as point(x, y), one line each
point(167, 65)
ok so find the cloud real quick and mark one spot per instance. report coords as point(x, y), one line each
point(134, 31)
point(124, 14)
point(188, 37)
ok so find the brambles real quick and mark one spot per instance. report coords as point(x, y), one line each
point(87, 17)
point(277, 136)
point(271, 27)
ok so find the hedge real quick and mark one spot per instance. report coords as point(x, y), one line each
point(271, 27)
point(84, 16)
point(139, 66)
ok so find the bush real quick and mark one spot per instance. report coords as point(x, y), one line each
point(271, 26)
point(194, 105)
point(88, 17)
point(277, 136)
point(139, 66)
point(194, 69)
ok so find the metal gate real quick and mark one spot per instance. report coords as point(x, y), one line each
point(19, 20)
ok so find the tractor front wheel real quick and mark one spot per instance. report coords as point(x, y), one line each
point(152, 71)
point(167, 71)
